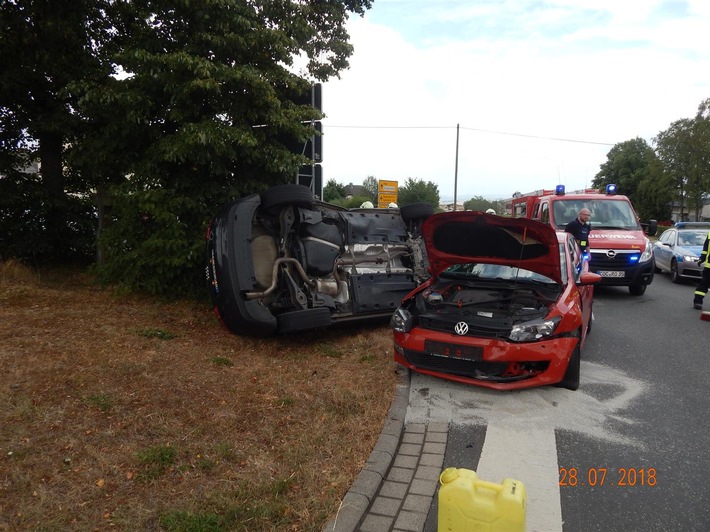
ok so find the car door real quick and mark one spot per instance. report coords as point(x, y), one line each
point(586, 293)
point(663, 251)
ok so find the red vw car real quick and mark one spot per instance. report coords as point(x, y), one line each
point(508, 304)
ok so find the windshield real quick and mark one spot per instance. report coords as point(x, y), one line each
point(691, 238)
point(472, 271)
point(607, 213)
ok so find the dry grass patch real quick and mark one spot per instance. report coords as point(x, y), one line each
point(132, 414)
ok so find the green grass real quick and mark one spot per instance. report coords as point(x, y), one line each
point(101, 401)
point(156, 459)
point(221, 361)
point(152, 332)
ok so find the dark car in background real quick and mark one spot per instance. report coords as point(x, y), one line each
point(281, 261)
point(508, 305)
point(678, 249)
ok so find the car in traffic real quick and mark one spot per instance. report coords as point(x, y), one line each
point(508, 304)
point(282, 261)
point(678, 249)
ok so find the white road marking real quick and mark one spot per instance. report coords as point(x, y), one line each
point(520, 427)
point(531, 458)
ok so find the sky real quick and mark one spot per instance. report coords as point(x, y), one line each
point(530, 93)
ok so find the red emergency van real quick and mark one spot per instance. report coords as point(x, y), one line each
point(619, 249)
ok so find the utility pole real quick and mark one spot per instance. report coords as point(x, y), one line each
point(456, 167)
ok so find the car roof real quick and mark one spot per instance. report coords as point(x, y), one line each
point(472, 236)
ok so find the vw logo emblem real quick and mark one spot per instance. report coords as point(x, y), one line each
point(611, 253)
point(461, 328)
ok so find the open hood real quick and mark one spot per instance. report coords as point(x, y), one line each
point(471, 236)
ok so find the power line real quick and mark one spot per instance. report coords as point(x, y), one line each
point(491, 131)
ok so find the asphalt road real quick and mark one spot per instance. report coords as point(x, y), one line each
point(629, 450)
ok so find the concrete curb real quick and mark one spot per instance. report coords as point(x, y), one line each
point(367, 484)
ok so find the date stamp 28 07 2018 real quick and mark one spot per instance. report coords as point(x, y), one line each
point(623, 477)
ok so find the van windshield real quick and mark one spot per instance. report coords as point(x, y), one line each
point(607, 213)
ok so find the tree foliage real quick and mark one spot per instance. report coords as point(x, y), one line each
point(333, 192)
point(684, 150)
point(626, 166)
point(633, 166)
point(172, 107)
point(479, 203)
point(417, 190)
point(372, 185)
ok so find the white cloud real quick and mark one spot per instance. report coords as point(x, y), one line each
point(595, 71)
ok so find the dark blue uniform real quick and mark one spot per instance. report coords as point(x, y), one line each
point(580, 231)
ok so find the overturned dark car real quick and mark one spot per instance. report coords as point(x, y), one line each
point(282, 261)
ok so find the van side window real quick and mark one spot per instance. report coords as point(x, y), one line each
point(545, 214)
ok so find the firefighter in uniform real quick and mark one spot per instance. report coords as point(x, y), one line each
point(580, 228)
point(704, 285)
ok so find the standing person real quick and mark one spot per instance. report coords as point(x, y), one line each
point(702, 288)
point(580, 228)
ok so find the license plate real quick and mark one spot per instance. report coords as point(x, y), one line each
point(458, 352)
point(605, 273)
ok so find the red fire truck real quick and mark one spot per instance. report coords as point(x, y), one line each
point(619, 249)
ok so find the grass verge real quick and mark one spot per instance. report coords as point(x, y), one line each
point(132, 414)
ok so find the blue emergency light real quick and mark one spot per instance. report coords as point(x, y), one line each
point(611, 189)
point(560, 190)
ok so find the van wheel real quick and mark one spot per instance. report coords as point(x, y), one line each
point(637, 289)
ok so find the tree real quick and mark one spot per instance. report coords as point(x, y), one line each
point(479, 203)
point(626, 166)
point(416, 190)
point(372, 185)
point(44, 46)
point(674, 147)
point(333, 192)
point(206, 109)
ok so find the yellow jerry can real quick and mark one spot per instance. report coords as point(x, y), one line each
point(469, 504)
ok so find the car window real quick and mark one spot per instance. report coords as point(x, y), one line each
point(691, 238)
point(667, 237)
point(606, 213)
point(475, 270)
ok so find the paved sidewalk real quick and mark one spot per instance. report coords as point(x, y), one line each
point(396, 488)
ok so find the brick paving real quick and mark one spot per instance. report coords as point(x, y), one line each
point(396, 488)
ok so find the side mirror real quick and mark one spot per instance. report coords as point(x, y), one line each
point(588, 278)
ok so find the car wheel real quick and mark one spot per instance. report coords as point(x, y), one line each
point(675, 276)
point(301, 320)
point(571, 378)
point(416, 211)
point(637, 289)
point(280, 195)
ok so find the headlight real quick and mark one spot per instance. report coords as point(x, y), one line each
point(530, 331)
point(402, 320)
point(690, 258)
point(647, 252)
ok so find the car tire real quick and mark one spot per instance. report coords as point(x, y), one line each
point(675, 276)
point(280, 195)
point(301, 320)
point(637, 289)
point(571, 378)
point(416, 211)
